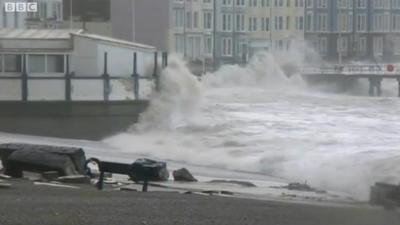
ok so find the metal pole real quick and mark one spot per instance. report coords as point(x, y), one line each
point(24, 80)
point(67, 81)
point(106, 79)
point(184, 29)
point(234, 32)
point(135, 77)
point(214, 35)
point(155, 74)
point(340, 33)
point(70, 15)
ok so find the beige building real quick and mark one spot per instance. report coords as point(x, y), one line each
point(272, 25)
point(191, 29)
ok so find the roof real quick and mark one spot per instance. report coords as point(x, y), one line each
point(65, 34)
point(114, 41)
point(37, 33)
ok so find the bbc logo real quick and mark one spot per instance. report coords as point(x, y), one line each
point(21, 7)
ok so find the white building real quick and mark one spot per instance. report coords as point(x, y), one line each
point(46, 54)
point(49, 15)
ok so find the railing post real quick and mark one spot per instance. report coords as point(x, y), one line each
point(398, 82)
point(135, 77)
point(155, 74)
point(67, 81)
point(24, 80)
point(106, 79)
point(166, 59)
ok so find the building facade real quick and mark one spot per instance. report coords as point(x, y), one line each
point(354, 30)
point(48, 16)
point(240, 29)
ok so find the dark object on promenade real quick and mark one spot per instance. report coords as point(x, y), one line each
point(387, 195)
point(17, 157)
point(155, 171)
point(144, 170)
point(183, 175)
point(236, 182)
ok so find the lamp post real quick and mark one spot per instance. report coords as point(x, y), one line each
point(70, 15)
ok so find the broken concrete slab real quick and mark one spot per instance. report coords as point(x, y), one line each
point(387, 195)
point(55, 185)
point(3, 176)
point(38, 161)
point(74, 179)
point(50, 175)
point(75, 155)
point(5, 185)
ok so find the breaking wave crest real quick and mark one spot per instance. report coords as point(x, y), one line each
point(257, 118)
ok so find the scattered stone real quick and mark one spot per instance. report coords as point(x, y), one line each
point(127, 188)
point(5, 185)
point(75, 179)
point(241, 183)
point(50, 175)
point(153, 170)
point(210, 192)
point(55, 185)
point(110, 181)
point(3, 176)
point(183, 175)
point(227, 193)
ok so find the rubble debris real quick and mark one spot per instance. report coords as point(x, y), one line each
point(210, 192)
point(387, 195)
point(50, 175)
point(302, 187)
point(241, 183)
point(128, 188)
point(5, 185)
point(183, 175)
point(227, 193)
point(75, 179)
point(18, 157)
point(55, 185)
point(3, 176)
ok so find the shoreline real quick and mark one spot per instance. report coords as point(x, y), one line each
point(26, 203)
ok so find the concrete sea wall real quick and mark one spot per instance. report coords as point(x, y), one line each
point(91, 120)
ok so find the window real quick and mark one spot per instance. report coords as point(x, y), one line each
point(378, 46)
point(226, 2)
point(179, 43)
point(288, 23)
point(13, 63)
point(188, 19)
point(55, 63)
point(309, 3)
point(361, 22)
point(37, 64)
point(227, 22)
point(207, 16)
point(227, 47)
point(362, 46)
point(208, 45)
point(240, 22)
point(309, 21)
point(342, 45)
point(179, 14)
point(196, 20)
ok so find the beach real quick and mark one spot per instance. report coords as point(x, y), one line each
point(25, 204)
